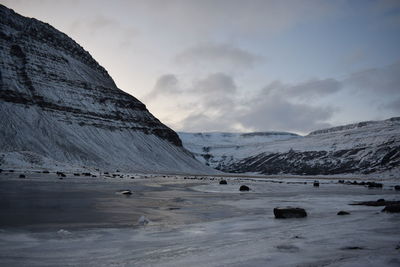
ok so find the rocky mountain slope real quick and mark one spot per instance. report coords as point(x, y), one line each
point(57, 104)
point(365, 147)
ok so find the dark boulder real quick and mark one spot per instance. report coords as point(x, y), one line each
point(374, 185)
point(379, 202)
point(61, 174)
point(394, 208)
point(397, 187)
point(21, 176)
point(244, 188)
point(289, 212)
point(316, 184)
point(223, 182)
point(342, 212)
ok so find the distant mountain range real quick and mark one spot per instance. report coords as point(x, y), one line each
point(59, 107)
point(363, 148)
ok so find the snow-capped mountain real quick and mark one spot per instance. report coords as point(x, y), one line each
point(57, 104)
point(221, 149)
point(365, 147)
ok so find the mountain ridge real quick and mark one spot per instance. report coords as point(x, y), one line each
point(364, 147)
point(58, 103)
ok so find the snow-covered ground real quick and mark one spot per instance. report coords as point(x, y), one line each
point(194, 221)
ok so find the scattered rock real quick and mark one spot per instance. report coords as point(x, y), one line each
point(342, 212)
point(223, 182)
point(394, 208)
point(125, 192)
point(397, 187)
point(21, 176)
point(316, 184)
point(143, 221)
point(45, 171)
point(341, 181)
point(86, 174)
point(352, 248)
point(244, 188)
point(374, 185)
point(379, 202)
point(289, 212)
point(77, 174)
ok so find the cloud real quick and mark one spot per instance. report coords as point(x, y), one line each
point(311, 89)
point(378, 81)
point(393, 105)
point(222, 54)
point(215, 101)
point(277, 113)
point(199, 122)
point(165, 84)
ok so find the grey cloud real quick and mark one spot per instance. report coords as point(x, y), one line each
point(311, 89)
point(216, 91)
point(199, 122)
point(216, 83)
point(393, 105)
point(218, 53)
point(165, 84)
point(276, 113)
point(377, 80)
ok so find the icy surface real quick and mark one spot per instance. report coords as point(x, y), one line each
point(195, 222)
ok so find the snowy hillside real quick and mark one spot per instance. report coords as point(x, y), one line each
point(366, 147)
point(218, 149)
point(57, 104)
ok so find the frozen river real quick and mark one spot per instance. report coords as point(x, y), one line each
point(83, 221)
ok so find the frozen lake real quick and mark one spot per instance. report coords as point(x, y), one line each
point(84, 221)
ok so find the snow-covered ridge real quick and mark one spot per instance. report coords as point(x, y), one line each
point(59, 105)
point(352, 126)
point(220, 148)
point(364, 147)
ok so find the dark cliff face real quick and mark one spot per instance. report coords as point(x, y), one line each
point(357, 160)
point(43, 68)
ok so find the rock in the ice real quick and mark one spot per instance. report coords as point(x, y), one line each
point(316, 184)
point(379, 202)
point(244, 188)
point(289, 212)
point(223, 182)
point(125, 192)
point(394, 208)
point(374, 185)
point(21, 176)
point(397, 187)
point(143, 221)
point(342, 212)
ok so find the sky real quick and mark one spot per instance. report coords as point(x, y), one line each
point(241, 66)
